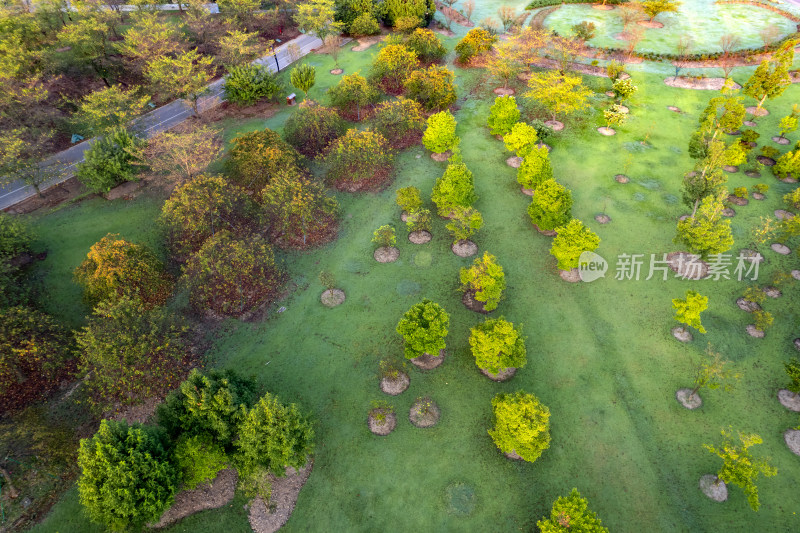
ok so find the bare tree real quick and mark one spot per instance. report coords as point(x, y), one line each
point(769, 35)
point(727, 61)
point(181, 154)
point(469, 7)
point(507, 16)
point(682, 48)
point(634, 37)
point(630, 13)
point(333, 43)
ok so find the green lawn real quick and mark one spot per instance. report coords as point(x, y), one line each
point(600, 355)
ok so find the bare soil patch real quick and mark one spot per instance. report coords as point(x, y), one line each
point(513, 455)
point(652, 24)
point(754, 174)
point(504, 375)
point(420, 237)
point(608, 132)
point(753, 332)
point(394, 387)
point(622, 178)
point(545, 232)
point(782, 214)
point(269, 518)
point(789, 400)
point(504, 91)
point(715, 490)
point(766, 161)
point(756, 112)
point(682, 334)
point(444, 156)
point(514, 162)
point(604, 7)
point(796, 274)
point(540, 144)
point(137, 414)
point(336, 71)
point(332, 297)
point(228, 110)
point(472, 304)
point(422, 416)
point(610, 94)
point(757, 196)
point(779, 248)
point(674, 109)
point(728, 212)
point(602, 218)
point(554, 125)
point(700, 84)
point(404, 216)
point(686, 265)
point(427, 361)
point(780, 140)
point(527, 192)
point(749, 123)
point(382, 427)
point(687, 399)
point(366, 42)
point(772, 292)
point(735, 200)
point(746, 305)
point(209, 496)
point(464, 248)
point(51, 197)
point(386, 254)
point(730, 168)
point(571, 276)
point(792, 439)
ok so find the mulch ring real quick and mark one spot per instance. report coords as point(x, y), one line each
point(749, 123)
point(464, 248)
point(701, 84)
point(514, 162)
point(503, 91)
point(472, 304)
point(375, 183)
point(444, 156)
point(513, 456)
point(674, 109)
point(269, 518)
point(527, 192)
point(602, 218)
point(207, 496)
point(780, 140)
point(336, 71)
point(782, 214)
point(425, 419)
point(752, 174)
point(332, 297)
point(608, 132)
point(735, 200)
point(386, 254)
point(545, 232)
point(756, 112)
point(766, 161)
point(382, 427)
point(779, 248)
point(792, 439)
point(746, 305)
point(789, 400)
point(795, 274)
point(427, 361)
point(754, 332)
point(729, 212)
point(622, 178)
point(687, 399)
point(420, 237)
point(366, 42)
point(652, 24)
point(554, 125)
point(687, 266)
point(682, 334)
point(571, 276)
point(772, 292)
point(504, 374)
point(730, 168)
point(396, 386)
point(757, 196)
point(713, 488)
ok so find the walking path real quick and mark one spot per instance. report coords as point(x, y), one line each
point(154, 122)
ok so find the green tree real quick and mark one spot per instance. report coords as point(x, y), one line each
point(792, 368)
point(303, 77)
point(104, 110)
point(571, 514)
point(503, 115)
point(455, 188)
point(497, 345)
point(127, 475)
point(706, 233)
point(653, 8)
point(433, 87)
point(521, 139)
point(464, 222)
point(771, 78)
point(239, 48)
point(551, 206)
point(521, 425)
point(424, 10)
point(88, 39)
point(393, 66)
point(571, 241)
point(614, 115)
point(739, 467)
point(788, 124)
point(363, 25)
point(318, 17)
point(440, 133)
point(116, 268)
point(423, 328)
point(359, 159)
point(687, 310)
point(180, 155)
point(426, 45)
point(419, 220)
point(560, 94)
point(384, 237)
point(352, 94)
point(184, 76)
point(400, 120)
point(151, 36)
point(409, 199)
point(485, 279)
point(109, 161)
point(713, 372)
point(198, 460)
point(535, 168)
point(584, 30)
point(788, 163)
point(311, 130)
point(256, 157)
point(247, 84)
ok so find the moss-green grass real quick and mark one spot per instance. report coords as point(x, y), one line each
point(600, 354)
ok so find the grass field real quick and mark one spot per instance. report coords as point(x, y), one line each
point(600, 355)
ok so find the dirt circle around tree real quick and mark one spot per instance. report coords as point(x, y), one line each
point(682, 334)
point(514, 162)
point(792, 439)
point(469, 301)
point(687, 265)
point(780, 248)
point(749, 123)
point(732, 198)
point(782, 214)
point(652, 24)
point(674, 109)
point(795, 274)
point(789, 400)
point(610, 94)
point(386, 254)
point(766, 161)
point(424, 419)
point(603, 7)
point(427, 361)
point(715, 491)
point(269, 517)
point(504, 91)
point(382, 428)
point(757, 196)
point(756, 112)
point(729, 212)
point(687, 399)
point(464, 248)
point(514, 456)
point(608, 132)
point(624, 109)
point(602, 218)
point(772, 292)
point(753, 174)
point(332, 297)
point(545, 232)
point(394, 387)
point(366, 42)
point(527, 192)
point(747, 305)
point(780, 140)
point(336, 71)
point(731, 169)
point(570, 276)
point(622, 178)
point(420, 237)
point(504, 375)
point(444, 156)
point(404, 216)
point(789, 179)
point(218, 493)
point(554, 125)
point(540, 144)
point(754, 332)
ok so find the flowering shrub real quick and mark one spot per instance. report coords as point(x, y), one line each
point(475, 42)
point(433, 87)
point(360, 159)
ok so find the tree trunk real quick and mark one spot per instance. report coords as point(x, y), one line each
point(761, 102)
point(696, 205)
point(12, 490)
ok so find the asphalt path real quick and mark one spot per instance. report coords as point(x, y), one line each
point(154, 122)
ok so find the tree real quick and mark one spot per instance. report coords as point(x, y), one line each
point(713, 373)
point(150, 37)
point(440, 133)
point(584, 30)
point(130, 353)
point(423, 10)
point(792, 368)
point(419, 220)
point(231, 276)
point(571, 514)
point(254, 158)
point(408, 198)
point(614, 70)
point(788, 163)
point(653, 8)
point(497, 345)
point(273, 436)
point(614, 115)
point(623, 89)
point(728, 43)
point(788, 124)
point(239, 48)
point(27, 161)
point(521, 139)
point(521, 425)
point(185, 76)
point(303, 77)
point(464, 222)
point(317, 16)
point(485, 280)
point(241, 12)
point(739, 467)
point(571, 241)
point(106, 109)
point(771, 78)
point(352, 94)
point(127, 476)
point(359, 159)
point(503, 115)
point(697, 186)
point(551, 206)
point(247, 84)
point(202, 207)
point(426, 45)
point(198, 461)
point(109, 161)
point(558, 93)
point(423, 328)
point(706, 233)
point(400, 120)
point(433, 87)
point(115, 268)
point(535, 168)
point(504, 63)
point(181, 155)
point(507, 16)
point(311, 130)
point(474, 43)
point(384, 237)
point(363, 25)
point(687, 310)
point(682, 48)
point(455, 188)
point(393, 66)
point(88, 40)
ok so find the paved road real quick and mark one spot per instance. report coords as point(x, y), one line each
point(154, 122)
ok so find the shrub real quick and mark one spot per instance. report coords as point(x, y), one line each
point(198, 460)
point(384, 236)
point(407, 24)
point(455, 188)
point(303, 77)
point(248, 84)
point(485, 279)
point(15, 237)
point(419, 220)
point(116, 268)
point(475, 42)
point(623, 89)
point(423, 10)
point(393, 66)
point(300, 211)
point(551, 206)
point(109, 161)
point(762, 188)
point(426, 45)
point(424, 328)
point(400, 120)
point(707, 233)
point(360, 159)
point(34, 350)
point(130, 353)
point(791, 199)
point(503, 115)
point(408, 198)
point(535, 168)
point(273, 436)
point(364, 24)
point(522, 425)
point(440, 133)
point(571, 241)
point(521, 139)
point(788, 165)
point(127, 477)
point(464, 222)
point(312, 129)
point(255, 157)
point(232, 276)
point(200, 208)
point(740, 192)
point(571, 513)
point(433, 87)
point(496, 345)
point(351, 95)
